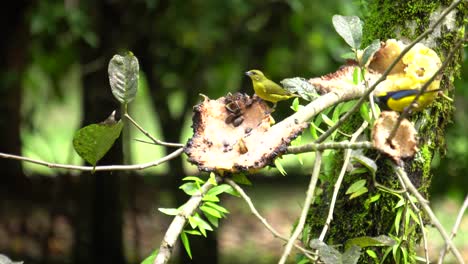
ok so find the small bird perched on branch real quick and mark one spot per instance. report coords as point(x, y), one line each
point(267, 89)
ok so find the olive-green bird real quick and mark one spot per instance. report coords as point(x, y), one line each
point(267, 89)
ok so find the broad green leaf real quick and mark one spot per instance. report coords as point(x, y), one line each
point(123, 77)
point(218, 189)
point(192, 222)
point(92, 142)
point(190, 188)
point(367, 241)
point(371, 199)
point(214, 221)
point(356, 186)
point(371, 253)
point(186, 243)
point(350, 29)
point(358, 192)
point(210, 211)
point(364, 110)
point(217, 207)
point(232, 192)
point(169, 211)
point(202, 223)
point(240, 178)
point(301, 87)
point(369, 52)
point(210, 198)
point(150, 258)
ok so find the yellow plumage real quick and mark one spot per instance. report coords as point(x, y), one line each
point(267, 89)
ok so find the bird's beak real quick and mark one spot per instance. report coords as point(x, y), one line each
point(248, 73)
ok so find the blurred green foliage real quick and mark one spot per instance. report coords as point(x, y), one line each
point(194, 47)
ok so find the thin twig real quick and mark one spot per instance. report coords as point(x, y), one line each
point(454, 229)
point(337, 186)
point(358, 104)
point(156, 141)
point(312, 147)
point(424, 204)
point(97, 168)
point(260, 217)
point(421, 223)
point(305, 209)
point(423, 89)
point(178, 223)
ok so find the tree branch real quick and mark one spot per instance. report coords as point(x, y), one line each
point(305, 209)
point(261, 218)
point(347, 157)
point(312, 147)
point(424, 204)
point(97, 168)
point(178, 223)
point(454, 229)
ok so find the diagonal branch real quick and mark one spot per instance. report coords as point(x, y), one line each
point(426, 208)
point(260, 217)
point(305, 209)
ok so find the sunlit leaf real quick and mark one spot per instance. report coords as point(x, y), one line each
point(349, 28)
point(356, 186)
point(190, 188)
point(358, 192)
point(193, 178)
point(150, 258)
point(186, 243)
point(218, 189)
point(280, 168)
point(210, 211)
point(169, 211)
point(217, 207)
point(241, 178)
point(92, 142)
point(123, 77)
point(367, 241)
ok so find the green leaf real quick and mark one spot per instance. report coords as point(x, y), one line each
point(123, 77)
point(358, 193)
point(169, 211)
point(397, 223)
point(212, 179)
point(217, 207)
point(190, 188)
point(232, 192)
point(280, 167)
point(371, 199)
point(92, 142)
point(349, 56)
point(369, 52)
point(186, 243)
point(210, 198)
point(327, 120)
point(301, 87)
point(371, 253)
point(240, 178)
point(210, 211)
point(364, 110)
point(202, 223)
point(193, 178)
point(367, 162)
point(193, 232)
point(150, 258)
point(350, 29)
point(356, 76)
point(218, 189)
point(356, 186)
point(367, 241)
point(214, 221)
point(295, 104)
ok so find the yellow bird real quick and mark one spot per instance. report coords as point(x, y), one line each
point(267, 89)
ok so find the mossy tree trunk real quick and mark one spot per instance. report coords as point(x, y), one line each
point(403, 20)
